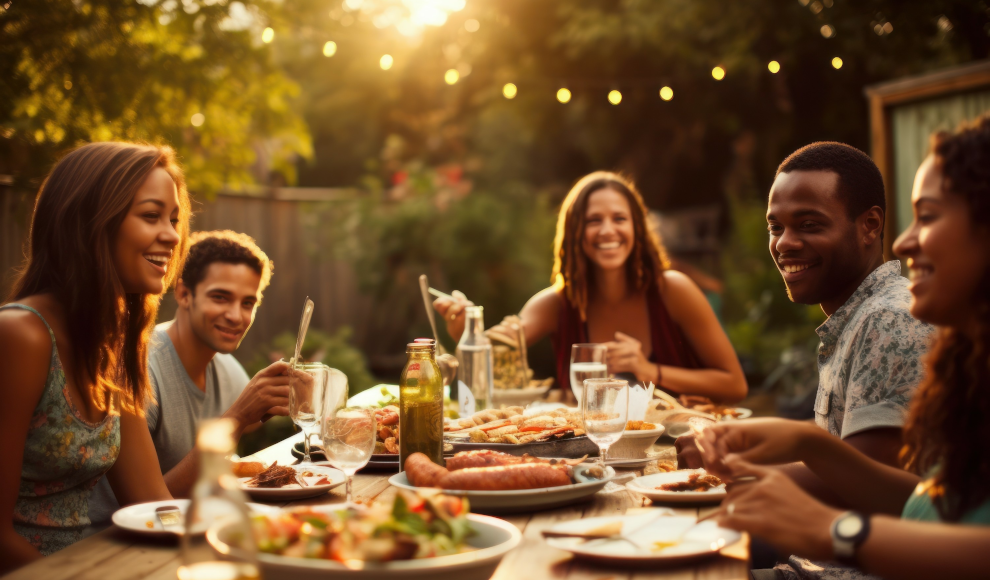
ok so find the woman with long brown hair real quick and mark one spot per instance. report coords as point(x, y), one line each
point(107, 236)
point(612, 285)
point(932, 521)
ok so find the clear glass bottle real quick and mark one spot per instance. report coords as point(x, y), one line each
point(421, 403)
point(474, 353)
point(217, 502)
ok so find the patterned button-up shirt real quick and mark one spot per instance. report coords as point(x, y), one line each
point(870, 356)
point(869, 363)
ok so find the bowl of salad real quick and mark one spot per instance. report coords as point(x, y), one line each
point(428, 536)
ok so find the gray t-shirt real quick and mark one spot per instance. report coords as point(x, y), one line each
point(180, 406)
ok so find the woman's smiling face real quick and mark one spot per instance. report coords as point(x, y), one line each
point(143, 247)
point(609, 233)
point(946, 253)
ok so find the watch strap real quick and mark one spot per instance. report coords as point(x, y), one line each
point(845, 546)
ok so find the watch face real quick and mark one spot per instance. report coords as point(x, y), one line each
point(849, 526)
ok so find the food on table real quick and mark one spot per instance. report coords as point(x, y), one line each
point(503, 472)
point(509, 425)
point(666, 465)
point(706, 405)
point(412, 527)
point(387, 438)
point(695, 482)
point(275, 476)
point(510, 368)
point(639, 426)
point(247, 468)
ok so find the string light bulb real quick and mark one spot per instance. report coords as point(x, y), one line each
point(563, 95)
point(614, 97)
point(773, 66)
point(268, 35)
point(451, 76)
point(836, 63)
point(718, 73)
point(666, 93)
point(329, 49)
point(509, 91)
point(197, 119)
point(386, 61)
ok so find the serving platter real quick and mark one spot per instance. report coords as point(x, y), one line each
point(295, 491)
point(518, 500)
point(568, 447)
point(492, 540)
point(647, 486)
point(647, 539)
point(142, 519)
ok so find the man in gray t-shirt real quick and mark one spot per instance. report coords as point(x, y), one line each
point(192, 373)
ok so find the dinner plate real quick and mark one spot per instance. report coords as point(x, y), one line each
point(629, 463)
point(492, 539)
point(647, 485)
point(142, 519)
point(295, 491)
point(653, 538)
point(518, 500)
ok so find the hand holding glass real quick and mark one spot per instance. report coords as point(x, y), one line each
point(605, 408)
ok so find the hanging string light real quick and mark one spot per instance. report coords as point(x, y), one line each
point(614, 97)
point(836, 63)
point(451, 76)
point(718, 73)
point(563, 95)
point(666, 93)
point(386, 61)
point(509, 91)
point(773, 66)
point(268, 35)
point(329, 49)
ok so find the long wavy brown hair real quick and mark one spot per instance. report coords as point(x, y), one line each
point(571, 268)
point(948, 428)
point(77, 216)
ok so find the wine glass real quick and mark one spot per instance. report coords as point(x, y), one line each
point(604, 409)
point(348, 432)
point(587, 362)
point(307, 386)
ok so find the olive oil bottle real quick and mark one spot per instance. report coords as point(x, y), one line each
point(421, 403)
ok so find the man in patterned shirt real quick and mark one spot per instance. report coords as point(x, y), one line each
point(825, 217)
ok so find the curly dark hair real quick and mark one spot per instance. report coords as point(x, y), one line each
point(228, 247)
point(860, 182)
point(645, 265)
point(947, 429)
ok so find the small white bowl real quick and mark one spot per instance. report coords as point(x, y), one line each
point(634, 444)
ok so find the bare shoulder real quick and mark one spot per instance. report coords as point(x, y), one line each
point(680, 291)
point(546, 299)
point(25, 353)
point(23, 330)
point(541, 312)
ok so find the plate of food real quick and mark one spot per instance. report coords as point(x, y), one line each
point(645, 539)
point(547, 433)
point(289, 482)
point(431, 537)
point(705, 405)
point(694, 486)
point(143, 518)
point(497, 482)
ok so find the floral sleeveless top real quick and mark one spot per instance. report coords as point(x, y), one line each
point(64, 457)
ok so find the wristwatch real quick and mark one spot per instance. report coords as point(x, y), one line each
point(849, 531)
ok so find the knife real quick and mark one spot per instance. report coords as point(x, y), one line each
point(307, 315)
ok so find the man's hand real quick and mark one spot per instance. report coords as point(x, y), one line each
point(759, 441)
point(452, 310)
point(688, 454)
point(266, 394)
point(625, 355)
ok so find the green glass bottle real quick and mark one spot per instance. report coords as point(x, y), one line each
point(421, 403)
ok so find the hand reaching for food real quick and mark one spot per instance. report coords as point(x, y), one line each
point(452, 311)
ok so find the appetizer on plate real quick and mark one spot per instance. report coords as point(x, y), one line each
point(509, 425)
point(640, 426)
point(706, 405)
point(412, 527)
point(695, 482)
point(387, 438)
point(486, 470)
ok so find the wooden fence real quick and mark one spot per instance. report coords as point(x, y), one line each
point(279, 222)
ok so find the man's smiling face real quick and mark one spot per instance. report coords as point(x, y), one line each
point(813, 240)
point(223, 307)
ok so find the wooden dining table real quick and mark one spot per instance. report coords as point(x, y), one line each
point(116, 554)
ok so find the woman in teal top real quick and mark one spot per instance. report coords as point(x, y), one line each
point(904, 525)
point(107, 235)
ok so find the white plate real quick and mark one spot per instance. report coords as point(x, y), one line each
point(691, 540)
point(518, 500)
point(142, 519)
point(493, 538)
point(629, 463)
point(647, 484)
point(744, 413)
point(294, 491)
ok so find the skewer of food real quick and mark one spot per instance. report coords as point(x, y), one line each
point(511, 426)
point(486, 470)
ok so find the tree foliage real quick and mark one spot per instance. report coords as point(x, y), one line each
point(97, 70)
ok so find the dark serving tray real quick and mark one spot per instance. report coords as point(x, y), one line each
point(570, 447)
point(316, 453)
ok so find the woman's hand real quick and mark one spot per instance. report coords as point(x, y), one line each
point(775, 509)
point(452, 311)
point(761, 441)
point(625, 355)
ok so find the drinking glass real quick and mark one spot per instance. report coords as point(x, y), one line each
point(307, 386)
point(604, 408)
point(348, 438)
point(587, 362)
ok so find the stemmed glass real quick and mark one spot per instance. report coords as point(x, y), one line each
point(307, 385)
point(348, 433)
point(587, 362)
point(605, 408)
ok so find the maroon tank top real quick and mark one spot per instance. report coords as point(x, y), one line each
point(669, 345)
